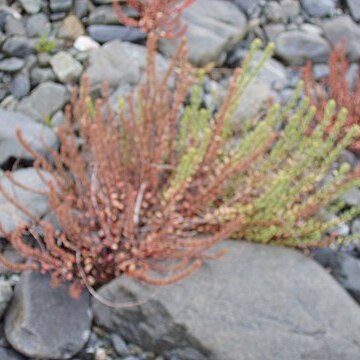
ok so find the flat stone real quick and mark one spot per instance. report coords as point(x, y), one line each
point(291, 8)
point(103, 15)
point(105, 33)
point(46, 323)
point(258, 302)
point(71, 28)
point(11, 65)
point(354, 7)
point(214, 27)
point(117, 63)
point(44, 101)
point(39, 136)
point(57, 6)
point(20, 86)
point(40, 75)
point(319, 8)
point(81, 8)
point(14, 26)
point(10, 216)
point(31, 6)
point(296, 47)
point(343, 27)
point(85, 43)
point(66, 68)
point(17, 46)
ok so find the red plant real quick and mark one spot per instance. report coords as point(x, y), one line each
point(335, 86)
point(162, 16)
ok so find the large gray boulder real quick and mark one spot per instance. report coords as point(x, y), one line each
point(46, 323)
point(214, 26)
point(258, 302)
point(39, 136)
point(30, 199)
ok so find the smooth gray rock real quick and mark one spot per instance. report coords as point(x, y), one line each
point(343, 27)
point(103, 15)
point(118, 63)
point(20, 86)
point(31, 6)
point(296, 47)
point(39, 136)
point(258, 302)
point(273, 30)
point(214, 27)
point(38, 25)
point(105, 33)
point(319, 8)
point(37, 204)
point(81, 8)
point(66, 68)
point(17, 46)
point(60, 5)
point(354, 7)
point(46, 323)
point(14, 26)
point(44, 101)
point(343, 267)
point(291, 8)
point(274, 12)
point(248, 5)
point(352, 197)
point(12, 64)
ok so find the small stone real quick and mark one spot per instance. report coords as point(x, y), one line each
point(40, 75)
point(291, 8)
point(57, 327)
point(85, 43)
point(38, 25)
point(105, 33)
point(11, 65)
point(296, 47)
point(319, 8)
point(100, 354)
point(14, 26)
point(65, 67)
point(44, 59)
point(71, 28)
point(343, 27)
point(44, 101)
point(60, 5)
point(31, 6)
point(81, 8)
point(311, 29)
point(352, 197)
point(5, 296)
point(273, 30)
point(103, 15)
point(355, 227)
point(274, 12)
point(119, 345)
point(17, 46)
point(20, 86)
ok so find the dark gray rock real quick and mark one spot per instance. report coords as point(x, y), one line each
point(44, 101)
point(17, 46)
point(118, 63)
point(81, 8)
point(258, 302)
point(6, 293)
point(12, 64)
point(214, 27)
point(343, 27)
point(319, 8)
point(38, 25)
point(36, 203)
point(60, 5)
point(39, 75)
point(20, 86)
point(296, 47)
point(8, 354)
point(343, 267)
point(31, 6)
point(103, 15)
point(105, 33)
point(44, 322)
point(354, 7)
point(39, 136)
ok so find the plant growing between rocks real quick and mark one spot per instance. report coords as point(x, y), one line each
point(335, 86)
point(149, 192)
